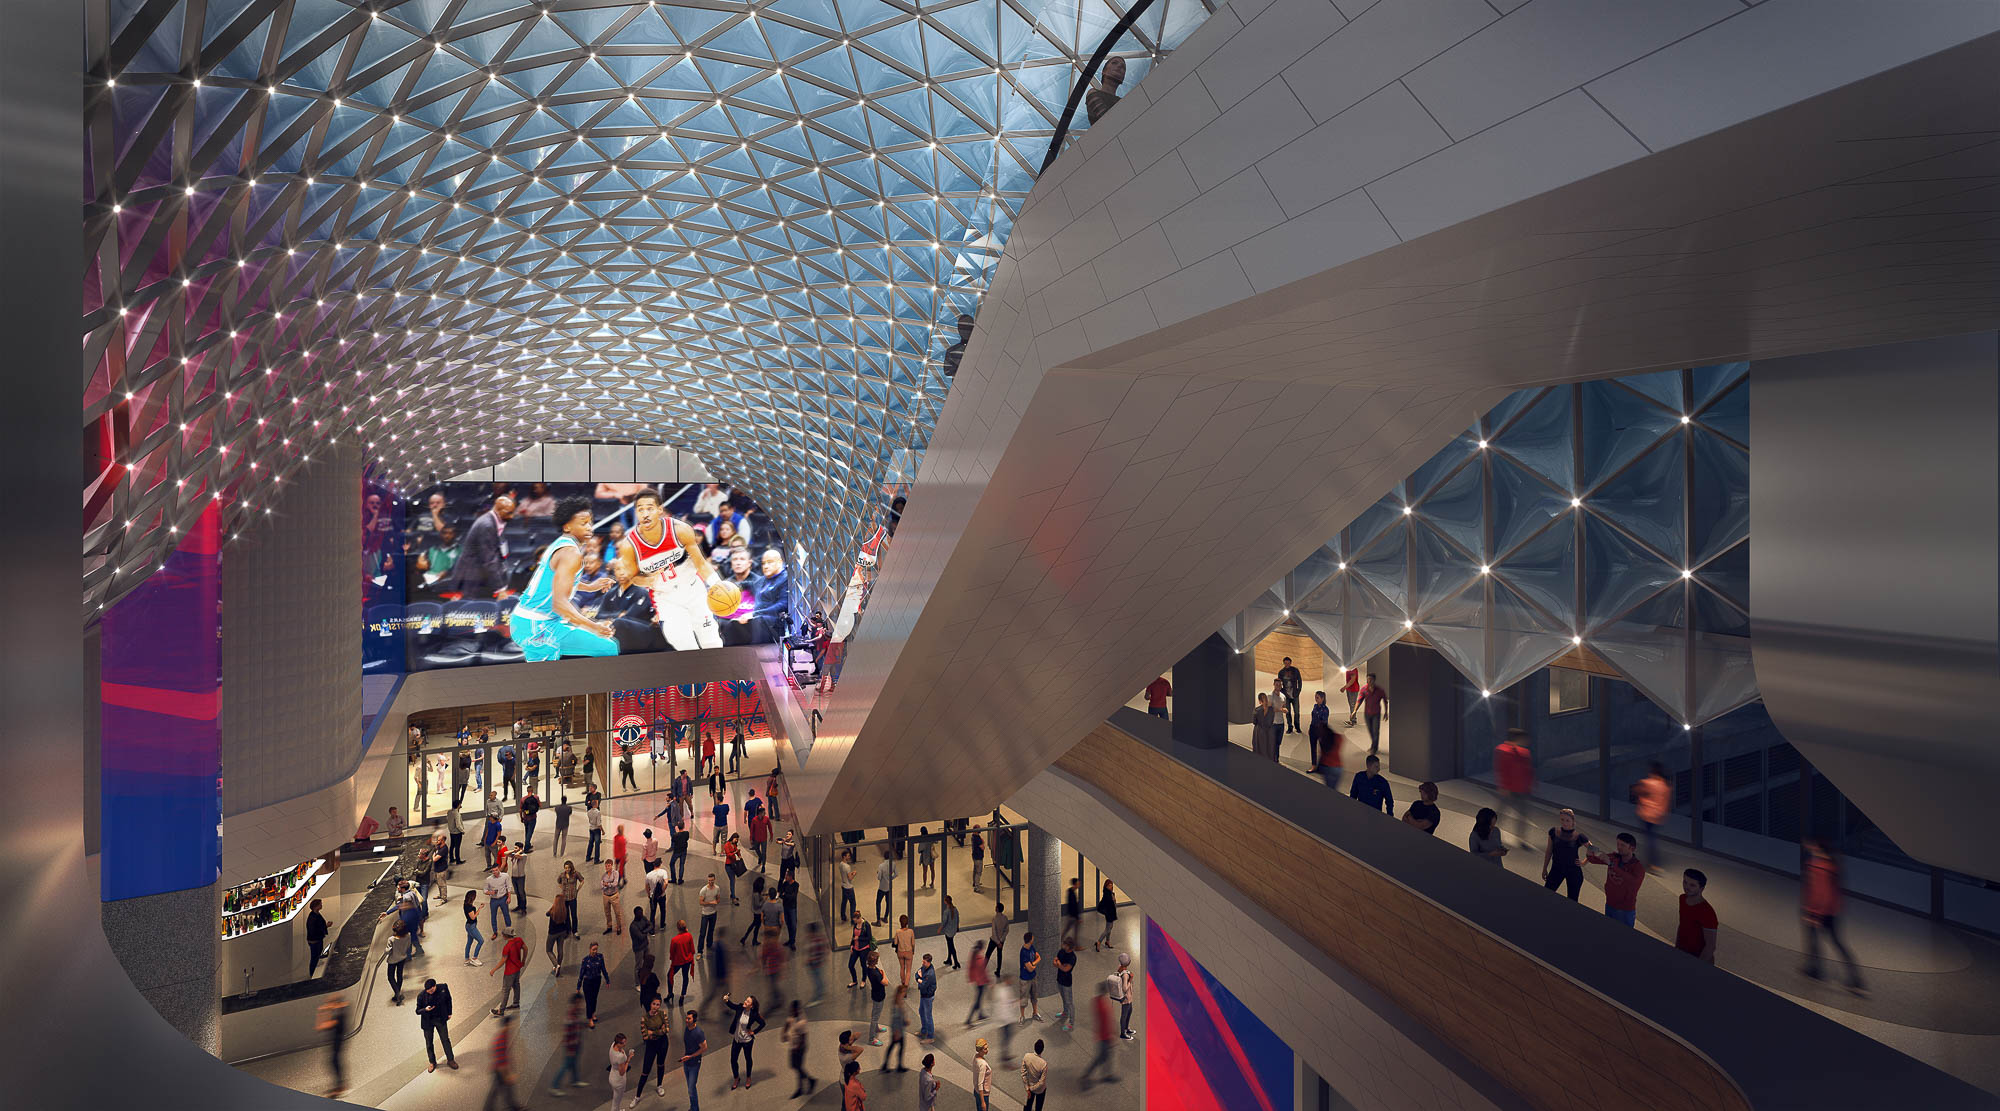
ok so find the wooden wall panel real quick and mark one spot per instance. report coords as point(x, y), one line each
point(1510, 1014)
point(1272, 650)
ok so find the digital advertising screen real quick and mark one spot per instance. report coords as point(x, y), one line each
point(472, 573)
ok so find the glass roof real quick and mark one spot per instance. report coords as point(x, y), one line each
point(448, 228)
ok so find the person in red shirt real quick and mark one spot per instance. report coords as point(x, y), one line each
point(1514, 771)
point(513, 957)
point(1157, 693)
point(680, 958)
point(1623, 874)
point(1819, 910)
point(1352, 687)
point(1371, 696)
point(760, 836)
point(1106, 1030)
point(618, 854)
point(1329, 760)
point(1696, 935)
point(707, 750)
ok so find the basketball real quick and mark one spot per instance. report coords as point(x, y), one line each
point(723, 598)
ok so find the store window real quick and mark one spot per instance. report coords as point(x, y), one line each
point(1569, 691)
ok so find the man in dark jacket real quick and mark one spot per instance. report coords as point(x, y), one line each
point(315, 939)
point(1290, 681)
point(481, 571)
point(434, 1012)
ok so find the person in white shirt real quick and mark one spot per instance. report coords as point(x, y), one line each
point(1121, 993)
point(885, 879)
point(846, 884)
point(497, 890)
point(1035, 1078)
point(621, 1065)
point(656, 893)
point(982, 1078)
point(710, 896)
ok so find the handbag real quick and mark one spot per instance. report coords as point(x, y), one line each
point(737, 867)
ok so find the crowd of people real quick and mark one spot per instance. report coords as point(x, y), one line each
point(757, 870)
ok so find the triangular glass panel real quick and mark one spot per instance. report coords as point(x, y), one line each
point(1369, 620)
point(1522, 503)
point(1729, 573)
point(1437, 569)
point(1497, 417)
point(1385, 565)
point(1540, 439)
point(1437, 466)
point(1458, 508)
point(1663, 386)
point(1649, 648)
point(1544, 570)
point(1523, 638)
point(1310, 574)
point(1719, 514)
point(1373, 521)
point(1649, 498)
point(1617, 572)
point(1618, 425)
point(1457, 629)
point(1709, 381)
point(1724, 674)
point(1730, 414)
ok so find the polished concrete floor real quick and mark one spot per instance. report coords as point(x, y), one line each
point(386, 1066)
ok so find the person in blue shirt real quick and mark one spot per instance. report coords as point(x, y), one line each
point(591, 976)
point(926, 993)
point(546, 623)
point(696, 1044)
point(1031, 958)
point(1371, 788)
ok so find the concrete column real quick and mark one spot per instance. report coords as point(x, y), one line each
point(1424, 708)
point(1044, 880)
point(1202, 693)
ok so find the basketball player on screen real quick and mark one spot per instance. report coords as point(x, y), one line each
point(545, 623)
point(663, 554)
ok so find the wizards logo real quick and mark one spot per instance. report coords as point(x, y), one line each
point(630, 731)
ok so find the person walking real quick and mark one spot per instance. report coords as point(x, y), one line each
point(695, 1043)
point(733, 866)
point(1560, 863)
point(1484, 841)
point(562, 810)
point(656, 880)
point(572, 1046)
point(680, 958)
point(649, 853)
point(1624, 873)
point(1107, 908)
point(454, 825)
point(1065, 983)
point(620, 1068)
point(618, 847)
point(655, 1030)
point(1699, 925)
point(569, 883)
point(593, 820)
point(926, 996)
point(926, 859)
point(1318, 728)
point(607, 886)
point(1034, 1078)
point(982, 1077)
point(558, 914)
point(760, 836)
point(398, 955)
point(885, 880)
point(1123, 995)
point(816, 954)
point(677, 858)
point(1072, 911)
point(1327, 761)
point(1819, 911)
point(513, 958)
point(757, 900)
point(1031, 959)
point(858, 948)
point(788, 904)
point(434, 1016)
point(316, 930)
point(771, 795)
point(1350, 685)
point(592, 974)
point(332, 1022)
point(796, 1029)
point(642, 933)
point(905, 940)
point(497, 890)
point(502, 1091)
point(898, 1031)
point(745, 1023)
point(1374, 699)
point(976, 976)
point(517, 874)
point(718, 813)
point(1292, 683)
point(710, 898)
point(530, 806)
point(475, 942)
point(1157, 693)
point(878, 994)
point(1652, 796)
point(948, 925)
point(1101, 1010)
point(1514, 773)
point(1371, 787)
point(996, 939)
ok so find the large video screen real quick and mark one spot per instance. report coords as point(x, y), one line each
point(471, 573)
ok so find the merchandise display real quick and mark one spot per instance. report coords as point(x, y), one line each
point(271, 900)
